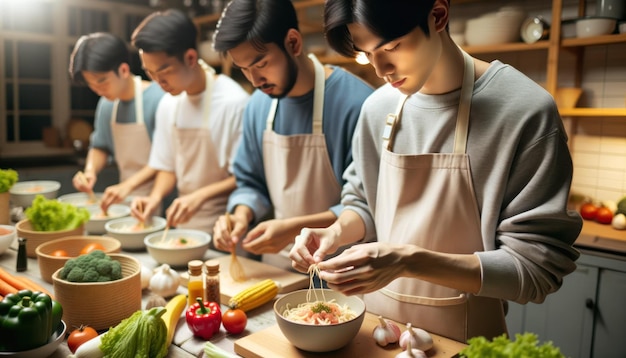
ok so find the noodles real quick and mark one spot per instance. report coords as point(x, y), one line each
point(318, 311)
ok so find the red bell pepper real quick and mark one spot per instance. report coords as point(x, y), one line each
point(204, 318)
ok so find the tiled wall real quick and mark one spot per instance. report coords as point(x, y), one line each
point(598, 144)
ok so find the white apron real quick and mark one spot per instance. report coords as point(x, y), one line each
point(428, 200)
point(131, 142)
point(197, 163)
point(291, 161)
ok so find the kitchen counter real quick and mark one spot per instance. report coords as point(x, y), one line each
point(260, 321)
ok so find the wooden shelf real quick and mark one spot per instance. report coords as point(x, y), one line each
point(596, 40)
point(507, 47)
point(593, 112)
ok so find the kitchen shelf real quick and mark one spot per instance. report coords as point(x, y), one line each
point(596, 40)
point(507, 47)
point(593, 112)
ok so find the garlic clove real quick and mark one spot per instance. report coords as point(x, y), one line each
point(418, 338)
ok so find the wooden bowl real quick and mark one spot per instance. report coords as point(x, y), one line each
point(36, 238)
point(101, 305)
point(48, 264)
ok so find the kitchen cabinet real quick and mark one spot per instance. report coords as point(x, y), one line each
point(585, 317)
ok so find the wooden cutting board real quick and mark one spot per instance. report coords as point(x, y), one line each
point(257, 271)
point(270, 342)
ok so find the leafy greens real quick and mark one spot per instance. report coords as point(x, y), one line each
point(8, 177)
point(525, 345)
point(52, 215)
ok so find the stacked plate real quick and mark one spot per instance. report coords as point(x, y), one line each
point(502, 26)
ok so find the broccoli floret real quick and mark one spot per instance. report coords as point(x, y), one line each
point(93, 267)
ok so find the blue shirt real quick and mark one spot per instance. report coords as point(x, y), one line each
point(343, 96)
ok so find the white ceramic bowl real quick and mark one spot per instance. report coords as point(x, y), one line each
point(318, 338)
point(7, 236)
point(494, 28)
point(80, 199)
point(130, 233)
point(97, 219)
point(23, 193)
point(595, 26)
point(179, 256)
point(568, 28)
point(622, 27)
point(44, 351)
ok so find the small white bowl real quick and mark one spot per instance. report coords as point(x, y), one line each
point(7, 236)
point(23, 193)
point(326, 337)
point(622, 27)
point(181, 255)
point(80, 199)
point(595, 26)
point(97, 219)
point(132, 239)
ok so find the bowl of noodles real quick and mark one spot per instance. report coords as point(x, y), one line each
point(132, 232)
point(319, 320)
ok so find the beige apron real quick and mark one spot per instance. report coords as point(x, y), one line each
point(291, 161)
point(131, 142)
point(197, 163)
point(428, 200)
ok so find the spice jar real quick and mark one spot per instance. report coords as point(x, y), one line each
point(212, 281)
point(22, 262)
point(195, 287)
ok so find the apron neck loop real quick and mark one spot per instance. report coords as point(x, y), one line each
point(318, 99)
point(207, 95)
point(138, 89)
point(462, 119)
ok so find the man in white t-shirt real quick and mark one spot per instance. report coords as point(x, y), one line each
point(198, 124)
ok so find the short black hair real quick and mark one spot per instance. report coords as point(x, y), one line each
point(97, 52)
point(388, 19)
point(258, 21)
point(169, 31)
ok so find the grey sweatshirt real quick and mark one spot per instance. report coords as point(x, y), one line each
point(521, 171)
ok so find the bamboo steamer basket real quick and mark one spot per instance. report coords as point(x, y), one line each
point(36, 238)
point(48, 264)
point(101, 305)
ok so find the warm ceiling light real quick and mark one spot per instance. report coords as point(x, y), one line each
point(361, 58)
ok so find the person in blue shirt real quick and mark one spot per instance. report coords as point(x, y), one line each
point(124, 119)
point(298, 128)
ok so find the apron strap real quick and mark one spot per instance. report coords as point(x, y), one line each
point(462, 117)
point(389, 132)
point(318, 99)
point(138, 102)
point(207, 96)
point(420, 300)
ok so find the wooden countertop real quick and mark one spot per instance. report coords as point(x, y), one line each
point(603, 237)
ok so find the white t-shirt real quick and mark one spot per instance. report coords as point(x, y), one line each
point(225, 122)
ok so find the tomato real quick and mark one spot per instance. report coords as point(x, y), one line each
point(588, 211)
point(234, 321)
point(604, 215)
point(59, 253)
point(79, 336)
point(90, 247)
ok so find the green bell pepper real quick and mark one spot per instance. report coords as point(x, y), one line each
point(27, 320)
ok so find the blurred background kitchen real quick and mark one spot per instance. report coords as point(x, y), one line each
point(45, 121)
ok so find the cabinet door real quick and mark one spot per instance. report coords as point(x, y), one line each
point(566, 316)
point(610, 328)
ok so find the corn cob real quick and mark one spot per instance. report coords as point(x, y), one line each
point(254, 296)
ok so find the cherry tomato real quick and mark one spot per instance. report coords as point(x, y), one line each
point(79, 336)
point(604, 215)
point(588, 211)
point(59, 253)
point(234, 320)
point(90, 247)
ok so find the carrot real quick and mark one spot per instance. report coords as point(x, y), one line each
point(33, 286)
point(11, 280)
point(6, 288)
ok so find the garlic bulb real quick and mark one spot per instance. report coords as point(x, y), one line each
point(418, 338)
point(164, 282)
point(619, 222)
point(146, 275)
point(411, 352)
point(386, 332)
